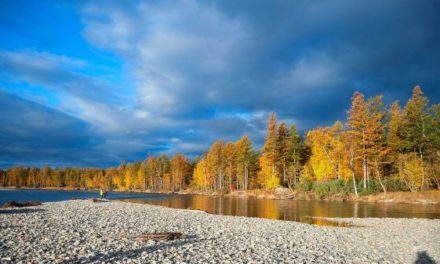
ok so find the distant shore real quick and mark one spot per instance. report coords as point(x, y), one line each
point(423, 197)
point(81, 231)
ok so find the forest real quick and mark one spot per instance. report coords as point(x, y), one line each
point(378, 148)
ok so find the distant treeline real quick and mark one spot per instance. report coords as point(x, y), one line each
point(154, 173)
point(378, 148)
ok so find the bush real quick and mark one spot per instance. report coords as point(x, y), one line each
point(373, 186)
point(321, 189)
point(394, 184)
point(304, 186)
point(331, 187)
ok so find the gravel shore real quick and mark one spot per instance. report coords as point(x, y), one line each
point(85, 232)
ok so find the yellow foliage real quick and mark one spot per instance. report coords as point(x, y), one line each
point(129, 178)
point(266, 176)
point(199, 175)
point(140, 178)
point(411, 171)
point(321, 161)
point(329, 159)
point(307, 173)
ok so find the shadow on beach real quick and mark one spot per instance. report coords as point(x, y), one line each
point(21, 211)
point(121, 254)
point(424, 258)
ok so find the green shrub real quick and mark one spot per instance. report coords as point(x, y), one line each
point(373, 186)
point(304, 186)
point(320, 189)
point(394, 184)
point(332, 187)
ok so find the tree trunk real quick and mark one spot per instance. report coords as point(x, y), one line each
point(354, 184)
point(378, 174)
point(295, 171)
point(423, 169)
point(364, 159)
point(245, 177)
point(284, 172)
point(365, 171)
point(220, 180)
point(352, 172)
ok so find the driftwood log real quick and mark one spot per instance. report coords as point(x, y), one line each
point(14, 204)
point(99, 200)
point(159, 236)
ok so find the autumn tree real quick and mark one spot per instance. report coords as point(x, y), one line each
point(246, 162)
point(295, 155)
point(162, 171)
point(357, 122)
point(141, 179)
point(151, 171)
point(418, 131)
point(339, 152)
point(129, 176)
point(180, 168)
point(230, 156)
point(365, 119)
point(216, 163)
point(268, 175)
point(200, 178)
point(435, 141)
point(322, 160)
point(395, 129)
point(349, 141)
point(377, 147)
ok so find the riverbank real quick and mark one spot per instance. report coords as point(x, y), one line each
point(424, 197)
point(431, 197)
point(85, 232)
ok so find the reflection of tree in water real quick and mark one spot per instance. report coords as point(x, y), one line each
point(288, 209)
point(269, 209)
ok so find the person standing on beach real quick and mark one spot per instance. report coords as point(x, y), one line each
point(101, 193)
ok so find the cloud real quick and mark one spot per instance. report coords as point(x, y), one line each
point(228, 55)
point(89, 97)
point(195, 71)
point(34, 134)
point(176, 50)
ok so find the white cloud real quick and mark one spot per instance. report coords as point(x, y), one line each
point(315, 72)
point(177, 51)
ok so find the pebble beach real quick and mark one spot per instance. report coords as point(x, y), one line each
point(80, 231)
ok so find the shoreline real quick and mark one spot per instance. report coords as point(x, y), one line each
point(81, 231)
point(431, 197)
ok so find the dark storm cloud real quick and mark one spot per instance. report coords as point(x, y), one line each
point(302, 59)
point(33, 134)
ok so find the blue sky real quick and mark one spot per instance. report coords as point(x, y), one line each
point(92, 83)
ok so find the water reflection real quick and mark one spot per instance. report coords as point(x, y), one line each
point(301, 211)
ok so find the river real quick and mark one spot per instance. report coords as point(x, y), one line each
point(301, 211)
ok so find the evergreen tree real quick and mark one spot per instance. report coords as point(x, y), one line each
point(416, 128)
point(295, 154)
point(284, 146)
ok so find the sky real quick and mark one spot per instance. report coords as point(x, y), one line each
point(94, 83)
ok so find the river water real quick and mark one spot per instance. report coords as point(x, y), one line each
point(301, 211)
